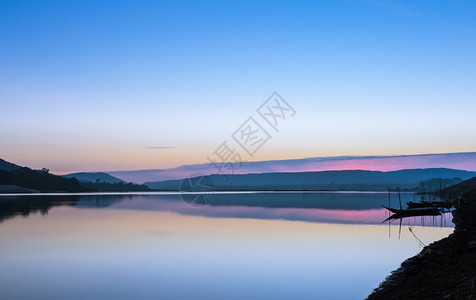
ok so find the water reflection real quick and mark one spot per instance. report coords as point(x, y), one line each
point(156, 247)
point(327, 207)
point(11, 206)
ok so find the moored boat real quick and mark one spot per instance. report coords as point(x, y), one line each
point(429, 204)
point(415, 211)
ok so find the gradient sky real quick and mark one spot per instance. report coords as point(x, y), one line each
point(117, 85)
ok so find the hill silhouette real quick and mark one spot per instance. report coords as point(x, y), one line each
point(16, 179)
point(114, 187)
point(356, 180)
point(40, 181)
point(5, 165)
point(94, 177)
point(456, 161)
point(461, 189)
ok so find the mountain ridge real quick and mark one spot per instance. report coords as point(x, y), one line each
point(457, 161)
point(16, 179)
point(94, 177)
point(5, 165)
point(325, 180)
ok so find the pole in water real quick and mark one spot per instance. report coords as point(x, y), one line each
point(388, 197)
point(400, 229)
point(388, 212)
point(399, 198)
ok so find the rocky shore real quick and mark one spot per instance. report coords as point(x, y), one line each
point(445, 269)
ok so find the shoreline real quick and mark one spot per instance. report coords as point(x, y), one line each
point(445, 269)
point(174, 192)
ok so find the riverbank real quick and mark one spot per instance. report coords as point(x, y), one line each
point(445, 269)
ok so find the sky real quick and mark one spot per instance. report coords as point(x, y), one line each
point(125, 85)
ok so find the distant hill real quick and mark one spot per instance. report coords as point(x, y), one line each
point(94, 177)
point(114, 187)
point(356, 180)
point(456, 161)
point(103, 182)
point(5, 165)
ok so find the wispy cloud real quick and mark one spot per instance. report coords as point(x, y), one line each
point(160, 147)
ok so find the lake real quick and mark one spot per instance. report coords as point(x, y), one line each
point(315, 245)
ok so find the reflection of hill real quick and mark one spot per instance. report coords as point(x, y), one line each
point(100, 200)
point(310, 200)
point(344, 201)
point(349, 207)
point(313, 200)
point(24, 206)
point(308, 207)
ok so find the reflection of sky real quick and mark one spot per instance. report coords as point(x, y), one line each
point(344, 208)
point(106, 253)
point(317, 207)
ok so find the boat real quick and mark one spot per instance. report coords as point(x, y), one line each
point(414, 211)
point(429, 204)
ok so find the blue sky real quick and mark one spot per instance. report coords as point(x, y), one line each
point(116, 85)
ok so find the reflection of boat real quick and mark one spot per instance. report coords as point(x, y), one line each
point(414, 212)
point(418, 209)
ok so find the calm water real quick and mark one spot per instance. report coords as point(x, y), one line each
point(244, 245)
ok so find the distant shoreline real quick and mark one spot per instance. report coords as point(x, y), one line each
point(179, 192)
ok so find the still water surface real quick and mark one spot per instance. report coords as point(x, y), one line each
point(244, 245)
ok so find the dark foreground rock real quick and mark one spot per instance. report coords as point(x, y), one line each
point(445, 269)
